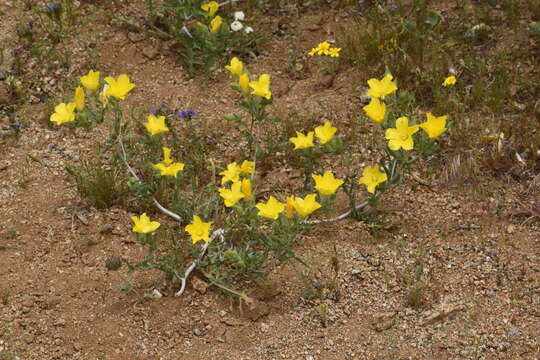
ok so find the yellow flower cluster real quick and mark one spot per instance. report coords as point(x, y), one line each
point(325, 49)
point(198, 229)
point(324, 133)
point(211, 9)
point(260, 87)
point(304, 207)
point(400, 137)
point(168, 167)
point(240, 188)
point(118, 88)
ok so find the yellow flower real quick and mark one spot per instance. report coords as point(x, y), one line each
point(236, 67)
point(119, 87)
point(79, 99)
point(334, 52)
point(307, 205)
point(271, 209)
point(371, 177)
point(156, 125)
point(169, 170)
point(63, 113)
point(321, 49)
point(103, 96)
point(90, 80)
point(400, 137)
point(376, 110)
point(381, 88)
point(199, 230)
point(215, 24)
point(262, 86)
point(247, 167)
point(211, 8)
point(289, 207)
point(167, 156)
point(143, 224)
point(302, 141)
point(232, 195)
point(243, 82)
point(449, 81)
point(247, 189)
point(325, 132)
point(231, 174)
point(326, 184)
point(434, 126)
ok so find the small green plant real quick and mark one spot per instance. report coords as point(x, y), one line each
point(100, 184)
point(201, 31)
point(4, 297)
point(12, 231)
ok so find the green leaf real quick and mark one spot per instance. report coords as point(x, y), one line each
point(433, 18)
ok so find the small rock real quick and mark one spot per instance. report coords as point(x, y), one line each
point(199, 285)
point(198, 332)
point(156, 294)
point(28, 338)
point(222, 313)
point(59, 322)
point(383, 320)
point(510, 229)
point(356, 273)
point(150, 52)
point(264, 328)
point(512, 332)
point(135, 37)
point(105, 228)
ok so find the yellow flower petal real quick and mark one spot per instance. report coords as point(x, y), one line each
point(236, 67)
point(261, 87)
point(215, 24)
point(211, 8)
point(325, 132)
point(90, 80)
point(381, 88)
point(302, 141)
point(119, 87)
point(400, 137)
point(198, 230)
point(372, 177)
point(449, 81)
point(306, 205)
point(143, 224)
point(79, 99)
point(271, 209)
point(326, 184)
point(376, 110)
point(434, 126)
point(233, 195)
point(155, 125)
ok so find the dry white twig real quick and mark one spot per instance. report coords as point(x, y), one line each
point(218, 232)
point(132, 172)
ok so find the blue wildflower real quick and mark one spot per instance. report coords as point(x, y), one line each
point(53, 6)
point(186, 114)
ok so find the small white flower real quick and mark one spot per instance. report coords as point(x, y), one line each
point(239, 15)
point(248, 30)
point(236, 25)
